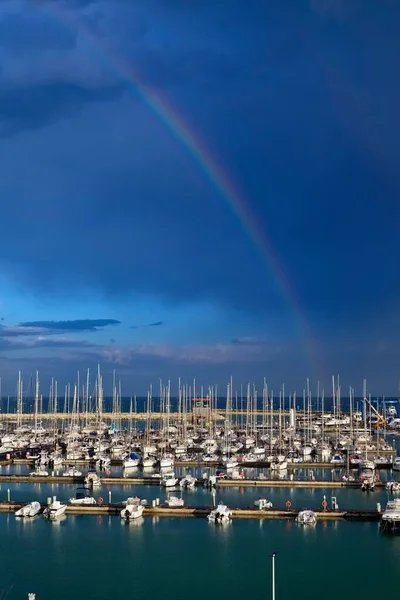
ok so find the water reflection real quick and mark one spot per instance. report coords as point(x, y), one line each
point(133, 523)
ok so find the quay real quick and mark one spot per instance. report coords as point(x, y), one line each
point(203, 511)
point(215, 414)
point(260, 483)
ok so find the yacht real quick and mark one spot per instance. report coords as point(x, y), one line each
point(167, 461)
point(306, 517)
point(220, 515)
point(391, 516)
point(149, 462)
point(54, 510)
point(29, 510)
point(133, 460)
point(367, 475)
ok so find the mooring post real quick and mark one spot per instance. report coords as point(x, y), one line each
point(273, 575)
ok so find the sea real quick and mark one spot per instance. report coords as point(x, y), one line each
point(102, 558)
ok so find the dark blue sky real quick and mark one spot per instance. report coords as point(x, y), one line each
point(115, 245)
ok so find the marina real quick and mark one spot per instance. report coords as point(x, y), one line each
point(182, 464)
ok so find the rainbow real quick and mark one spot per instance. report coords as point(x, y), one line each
point(204, 159)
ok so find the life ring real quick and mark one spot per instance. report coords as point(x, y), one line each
point(288, 504)
point(100, 500)
point(324, 503)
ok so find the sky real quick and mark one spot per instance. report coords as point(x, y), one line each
point(200, 189)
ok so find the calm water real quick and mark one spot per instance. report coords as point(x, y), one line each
point(102, 558)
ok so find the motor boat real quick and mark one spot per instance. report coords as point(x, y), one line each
point(82, 498)
point(169, 480)
point(263, 503)
point(132, 511)
point(92, 480)
point(39, 472)
point(220, 515)
point(29, 510)
point(391, 515)
point(174, 502)
point(188, 482)
point(54, 510)
point(72, 472)
point(367, 475)
point(306, 517)
point(393, 486)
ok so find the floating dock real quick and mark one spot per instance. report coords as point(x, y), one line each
point(203, 511)
point(259, 483)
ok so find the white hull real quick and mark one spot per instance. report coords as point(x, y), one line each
point(82, 501)
point(55, 510)
point(29, 510)
point(132, 511)
point(131, 462)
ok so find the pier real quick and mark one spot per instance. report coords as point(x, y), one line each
point(260, 483)
point(203, 511)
